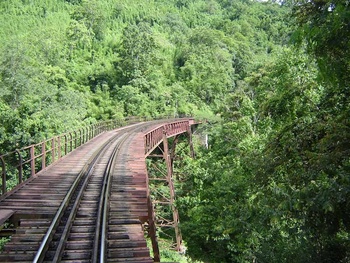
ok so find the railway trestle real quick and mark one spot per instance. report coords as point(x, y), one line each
point(86, 196)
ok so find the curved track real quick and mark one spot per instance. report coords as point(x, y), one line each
point(75, 231)
point(69, 216)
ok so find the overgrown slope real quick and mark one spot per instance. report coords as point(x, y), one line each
point(68, 63)
point(274, 184)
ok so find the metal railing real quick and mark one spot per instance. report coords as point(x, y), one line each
point(154, 137)
point(23, 163)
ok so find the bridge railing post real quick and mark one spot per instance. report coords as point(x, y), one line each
point(66, 144)
point(91, 134)
point(75, 136)
point(53, 153)
point(59, 151)
point(80, 135)
point(3, 174)
point(20, 167)
point(32, 160)
point(70, 142)
point(43, 155)
point(84, 135)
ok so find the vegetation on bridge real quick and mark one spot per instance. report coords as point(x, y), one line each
point(272, 78)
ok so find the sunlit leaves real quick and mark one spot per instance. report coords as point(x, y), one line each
point(274, 184)
point(324, 26)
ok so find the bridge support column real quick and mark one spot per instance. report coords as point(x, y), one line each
point(169, 163)
point(189, 133)
point(152, 231)
point(162, 190)
point(160, 145)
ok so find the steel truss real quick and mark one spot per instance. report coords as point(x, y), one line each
point(162, 189)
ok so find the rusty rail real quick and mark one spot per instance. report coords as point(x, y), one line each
point(26, 162)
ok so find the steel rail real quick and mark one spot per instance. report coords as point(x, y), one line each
point(55, 222)
point(104, 223)
point(75, 207)
point(100, 231)
point(85, 173)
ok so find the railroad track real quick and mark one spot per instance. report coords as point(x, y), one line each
point(83, 217)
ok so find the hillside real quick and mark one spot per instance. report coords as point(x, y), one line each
point(272, 79)
point(69, 63)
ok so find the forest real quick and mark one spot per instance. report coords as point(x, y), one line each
point(270, 78)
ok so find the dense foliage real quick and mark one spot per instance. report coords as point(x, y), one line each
point(274, 184)
point(69, 63)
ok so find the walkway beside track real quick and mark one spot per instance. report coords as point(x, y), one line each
point(32, 205)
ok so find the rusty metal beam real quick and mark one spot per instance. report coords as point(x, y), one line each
point(155, 137)
point(169, 164)
point(157, 146)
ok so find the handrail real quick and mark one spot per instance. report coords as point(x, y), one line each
point(152, 139)
point(155, 136)
point(3, 174)
point(27, 161)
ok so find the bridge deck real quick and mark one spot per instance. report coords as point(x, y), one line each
point(33, 204)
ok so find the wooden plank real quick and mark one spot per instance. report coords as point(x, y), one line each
point(5, 214)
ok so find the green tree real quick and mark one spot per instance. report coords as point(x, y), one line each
point(302, 166)
point(136, 52)
point(324, 27)
point(206, 53)
point(91, 14)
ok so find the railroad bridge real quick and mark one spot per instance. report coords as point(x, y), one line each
point(84, 196)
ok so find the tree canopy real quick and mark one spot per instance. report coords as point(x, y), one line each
point(271, 78)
